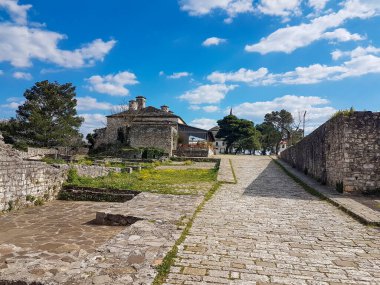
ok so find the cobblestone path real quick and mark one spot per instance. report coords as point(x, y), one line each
point(267, 230)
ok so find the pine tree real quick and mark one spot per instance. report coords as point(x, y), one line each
point(48, 117)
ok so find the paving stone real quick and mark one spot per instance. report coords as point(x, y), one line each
point(194, 271)
point(279, 232)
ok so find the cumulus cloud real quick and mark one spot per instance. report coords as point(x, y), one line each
point(12, 103)
point(342, 35)
point(203, 123)
point(318, 4)
point(203, 7)
point(207, 94)
point(207, 109)
point(282, 8)
point(17, 12)
point(89, 103)
point(91, 122)
point(22, 75)
point(21, 42)
point(360, 61)
point(317, 111)
point(178, 75)
point(112, 84)
point(291, 38)
point(242, 75)
point(213, 41)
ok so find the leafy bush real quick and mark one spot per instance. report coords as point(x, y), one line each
point(50, 160)
point(72, 176)
point(345, 113)
point(39, 201)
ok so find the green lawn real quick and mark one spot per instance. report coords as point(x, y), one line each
point(165, 181)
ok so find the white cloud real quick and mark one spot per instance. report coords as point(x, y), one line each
point(207, 109)
point(203, 7)
point(361, 61)
point(91, 122)
point(22, 75)
point(17, 12)
point(291, 38)
point(210, 109)
point(21, 42)
point(12, 103)
point(242, 75)
point(207, 94)
point(342, 35)
point(213, 41)
point(282, 8)
point(203, 123)
point(89, 103)
point(317, 111)
point(318, 4)
point(112, 84)
point(177, 75)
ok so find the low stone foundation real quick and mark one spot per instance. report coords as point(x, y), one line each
point(25, 183)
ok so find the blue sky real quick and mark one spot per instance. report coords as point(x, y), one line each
point(199, 57)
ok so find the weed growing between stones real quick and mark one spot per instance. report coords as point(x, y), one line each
point(233, 171)
point(164, 268)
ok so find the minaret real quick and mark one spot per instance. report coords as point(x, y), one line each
point(231, 112)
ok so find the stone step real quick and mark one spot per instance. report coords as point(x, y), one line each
point(93, 194)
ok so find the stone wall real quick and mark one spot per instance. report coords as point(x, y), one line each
point(20, 179)
point(157, 136)
point(343, 153)
point(91, 170)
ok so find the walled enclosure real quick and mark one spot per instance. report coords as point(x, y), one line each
point(344, 153)
point(20, 179)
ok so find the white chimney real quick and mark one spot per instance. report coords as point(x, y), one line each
point(132, 105)
point(165, 108)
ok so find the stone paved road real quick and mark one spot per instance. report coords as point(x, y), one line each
point(268, 230)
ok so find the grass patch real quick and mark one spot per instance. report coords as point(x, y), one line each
point(164, 268)
point(233, 171)
point(164, 181)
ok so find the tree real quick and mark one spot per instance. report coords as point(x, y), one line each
point(233, 129)
point(251, 143)
point(270, 137)
point(284, 123)
point(48, 117)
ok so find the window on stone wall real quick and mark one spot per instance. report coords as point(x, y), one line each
point(216, 143)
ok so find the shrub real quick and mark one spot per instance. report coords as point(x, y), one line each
point(345, 113)
point(50, 160)
point(39, 201)
point(30, 198)
point(72, 175)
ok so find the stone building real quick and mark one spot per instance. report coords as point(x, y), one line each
point(147, 126)
point(219, 143)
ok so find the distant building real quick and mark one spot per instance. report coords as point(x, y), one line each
point(219, 143)
point(147, 126)
point(282, 146)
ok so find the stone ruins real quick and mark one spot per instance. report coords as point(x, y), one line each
point(147, 126)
